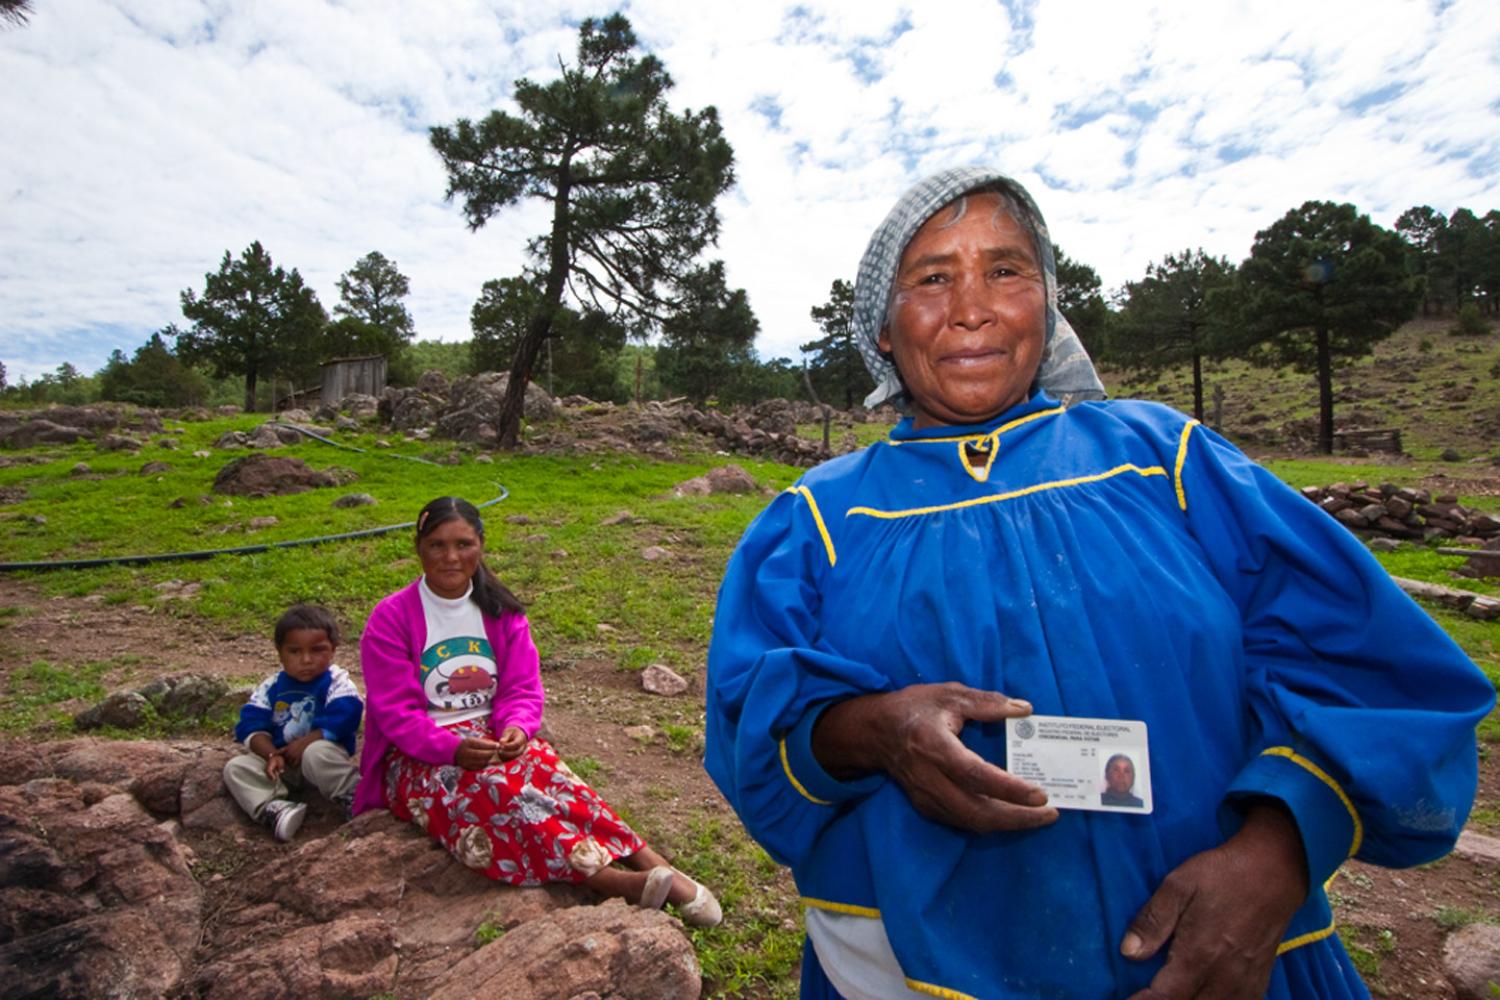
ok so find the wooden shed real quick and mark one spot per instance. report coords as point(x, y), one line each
point(343, 376)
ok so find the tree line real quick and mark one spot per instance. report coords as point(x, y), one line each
point(1322, 284)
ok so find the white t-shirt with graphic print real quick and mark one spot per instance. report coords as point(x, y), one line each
point(457, 668)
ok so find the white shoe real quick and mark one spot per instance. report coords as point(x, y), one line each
point(703, 909)
point(658, 884)
point(284, 817)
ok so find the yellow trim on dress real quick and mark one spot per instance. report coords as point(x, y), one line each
point(987, 445)
point(1303, 939)
point(848, 909)
point(969, 437)
point(1154, 470)
point(937, 991)
point(787, 767)
point(812, 505)
point(1182, 444)
point(1322, 775)
point(1310, 936)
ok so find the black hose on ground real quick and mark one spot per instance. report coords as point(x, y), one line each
point(242, 550)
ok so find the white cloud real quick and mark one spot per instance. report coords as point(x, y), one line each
point(143, 141)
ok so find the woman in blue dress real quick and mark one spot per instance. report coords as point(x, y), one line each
point(1004, 554)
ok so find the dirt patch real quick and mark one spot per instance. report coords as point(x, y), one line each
point(1397, 918)
point(78, 630)
point(1480, 482)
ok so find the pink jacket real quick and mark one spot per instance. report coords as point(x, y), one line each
point(395, 710)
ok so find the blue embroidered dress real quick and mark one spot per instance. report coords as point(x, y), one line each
point(1112, 560)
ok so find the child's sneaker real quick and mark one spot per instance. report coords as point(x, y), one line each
point(284, 818)
point(345, 805)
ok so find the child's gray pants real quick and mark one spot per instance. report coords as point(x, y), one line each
point(325, 765)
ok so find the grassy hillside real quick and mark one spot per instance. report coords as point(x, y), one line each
point(1440, 390)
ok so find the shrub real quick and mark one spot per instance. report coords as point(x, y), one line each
point(1470, 322)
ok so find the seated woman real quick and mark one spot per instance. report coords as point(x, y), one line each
point(455, 697)
point(1113, 563)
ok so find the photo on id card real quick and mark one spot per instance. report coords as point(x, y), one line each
point(1096, 764)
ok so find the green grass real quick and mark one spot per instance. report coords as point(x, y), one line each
point(1366, 962)
point(1451, 918)
point(487, 932)
point(680, 738)
point(658, 609)
point(37, 692)
point(760, 941)
point(589, 770)
point(1418, 562)
point(864, 434)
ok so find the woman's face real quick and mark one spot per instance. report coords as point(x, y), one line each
point(969, 316)
point(450, 554)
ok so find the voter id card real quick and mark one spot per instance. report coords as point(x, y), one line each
point(1099, 764)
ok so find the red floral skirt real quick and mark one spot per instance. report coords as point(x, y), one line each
point(525, 821)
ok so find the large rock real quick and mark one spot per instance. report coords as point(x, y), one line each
point(266, 436)
point(359, 406)
point(433, 383)
point(1471, 960)
point(413, 410)
point(96, 896)
point(730, 479)
point(776, 416)
point(96, 900)
point(40, 431)
point(468, 392)
point(611, 951)
point(268, 475)
point(121, 710)
point(660, 679)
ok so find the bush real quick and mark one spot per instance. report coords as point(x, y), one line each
point(1470, 322)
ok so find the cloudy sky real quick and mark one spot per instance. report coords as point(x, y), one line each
point(141, 140)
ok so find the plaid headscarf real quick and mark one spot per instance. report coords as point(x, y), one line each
point(1065, 370)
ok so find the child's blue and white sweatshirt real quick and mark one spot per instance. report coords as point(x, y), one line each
point(287, 709)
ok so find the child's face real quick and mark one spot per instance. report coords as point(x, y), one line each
point(306, 654)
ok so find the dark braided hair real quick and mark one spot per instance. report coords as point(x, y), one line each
point(493, 597)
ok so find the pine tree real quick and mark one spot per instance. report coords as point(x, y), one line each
point(630, 183)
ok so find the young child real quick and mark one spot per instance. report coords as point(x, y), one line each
point(298, 725)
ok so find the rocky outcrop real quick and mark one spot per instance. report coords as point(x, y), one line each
point(67, 424)
point(1480, 606)
point(611, 951)
point(720, 479)
point(189, 698)
point(98, 897)
point(357, 405)
point(268, 475)
point(1401, 512)
point(466, 410)
point(740, 436)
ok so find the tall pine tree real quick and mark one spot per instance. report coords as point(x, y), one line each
point(254, 319)
point(1324, 282)
point(1168, 318)
point(631, 186)
point(834, 363)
